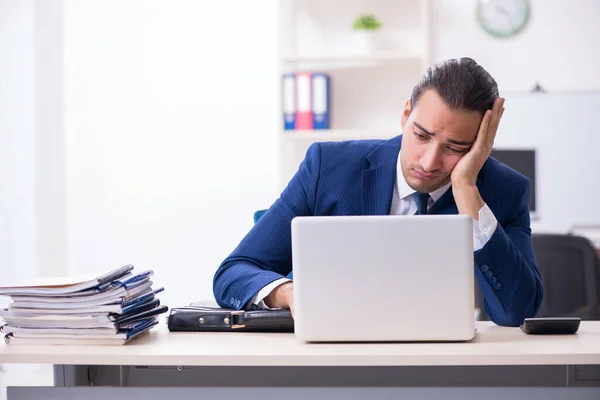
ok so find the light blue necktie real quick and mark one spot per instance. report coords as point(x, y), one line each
point(421, 199)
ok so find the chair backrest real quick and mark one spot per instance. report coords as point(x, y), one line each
point(569, 268)
point(568, 265)
point(258, 214)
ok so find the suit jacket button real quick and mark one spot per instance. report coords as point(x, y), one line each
point(485, 268)
point(488, 274)
point(493, 280)
point(497, 286)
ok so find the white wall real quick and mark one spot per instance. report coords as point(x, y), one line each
point(163, 108)
point(17, 183)
point(561, 128)
point(49, 149)
point(560, 47)
point(171, 130)
point(32, 206)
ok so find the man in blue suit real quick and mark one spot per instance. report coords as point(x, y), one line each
point(440, 164)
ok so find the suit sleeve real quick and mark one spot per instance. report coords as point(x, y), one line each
point(264, 254)
point(506, 268)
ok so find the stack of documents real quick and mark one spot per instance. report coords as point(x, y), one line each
point(110, 308)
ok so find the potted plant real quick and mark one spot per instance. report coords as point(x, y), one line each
point(365, 28)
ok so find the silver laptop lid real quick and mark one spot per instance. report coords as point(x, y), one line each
point(378, 278)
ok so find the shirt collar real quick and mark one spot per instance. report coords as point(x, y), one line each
point(404, 190)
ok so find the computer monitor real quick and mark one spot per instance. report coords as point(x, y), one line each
point(523, 161)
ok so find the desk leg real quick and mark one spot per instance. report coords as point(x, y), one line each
point(91, 375)
point(71, 375)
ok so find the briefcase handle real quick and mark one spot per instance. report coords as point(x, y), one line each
point(276, 319)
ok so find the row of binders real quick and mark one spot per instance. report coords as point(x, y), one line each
point(109, 309)
point(306, 101)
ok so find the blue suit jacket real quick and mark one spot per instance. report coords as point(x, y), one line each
point(357, 178)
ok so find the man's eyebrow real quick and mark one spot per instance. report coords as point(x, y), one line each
point(423, 129)
point(457, 142)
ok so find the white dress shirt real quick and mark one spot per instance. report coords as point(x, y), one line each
point(403, 203)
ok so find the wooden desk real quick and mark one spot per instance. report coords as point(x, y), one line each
point(498, 357)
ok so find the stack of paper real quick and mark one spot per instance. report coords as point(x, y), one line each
point(111, 308)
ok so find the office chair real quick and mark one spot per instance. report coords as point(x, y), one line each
point(258, 214)
point(568, 265)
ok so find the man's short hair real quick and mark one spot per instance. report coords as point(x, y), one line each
point(461, 83)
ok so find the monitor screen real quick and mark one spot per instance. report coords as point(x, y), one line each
point(522, 161)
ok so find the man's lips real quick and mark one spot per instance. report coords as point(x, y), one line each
point(424, 175)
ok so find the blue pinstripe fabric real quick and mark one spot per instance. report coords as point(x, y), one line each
point(357, 178)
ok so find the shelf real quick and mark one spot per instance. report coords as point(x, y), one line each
point(336, 134)
point(352, 58)
point(370, 76)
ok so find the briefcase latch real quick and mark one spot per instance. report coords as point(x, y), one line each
point(236, 318)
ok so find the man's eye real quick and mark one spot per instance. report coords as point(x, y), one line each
point(458, 151)
point(420, 136)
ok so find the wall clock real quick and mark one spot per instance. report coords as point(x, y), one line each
point(503, 18)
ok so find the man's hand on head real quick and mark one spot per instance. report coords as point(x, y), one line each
point(466, 170)
point(463, 177)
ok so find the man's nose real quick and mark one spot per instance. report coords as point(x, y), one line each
point(431, 159)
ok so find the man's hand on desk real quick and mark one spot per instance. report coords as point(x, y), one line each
point(282, 297)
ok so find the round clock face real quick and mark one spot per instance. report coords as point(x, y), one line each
point(503, 18)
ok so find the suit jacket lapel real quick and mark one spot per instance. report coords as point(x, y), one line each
point(445, 205)
point(379, 179)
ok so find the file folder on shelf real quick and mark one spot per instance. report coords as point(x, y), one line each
point(304, 115)
point(321, 100)
point(289, 101)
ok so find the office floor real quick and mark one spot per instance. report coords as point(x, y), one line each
point(24, 375)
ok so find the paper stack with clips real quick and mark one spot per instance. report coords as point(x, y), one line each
point(111, 308)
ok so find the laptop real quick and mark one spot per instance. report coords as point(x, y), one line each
point(383, 278)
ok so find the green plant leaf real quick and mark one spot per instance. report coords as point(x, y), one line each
point(366, 22)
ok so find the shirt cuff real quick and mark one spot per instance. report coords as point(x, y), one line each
point(483, 229)
point(258, 299)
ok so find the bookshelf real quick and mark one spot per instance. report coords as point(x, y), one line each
point(369, 84)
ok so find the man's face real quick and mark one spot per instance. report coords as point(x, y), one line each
point(435, 138)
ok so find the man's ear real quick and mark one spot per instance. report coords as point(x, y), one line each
point(405, 113)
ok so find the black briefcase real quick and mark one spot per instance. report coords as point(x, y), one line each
point(202, 318)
